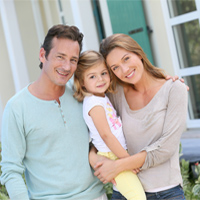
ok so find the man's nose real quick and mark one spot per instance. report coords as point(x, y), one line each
point(67, 65)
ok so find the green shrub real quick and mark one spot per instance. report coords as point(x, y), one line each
point(3, 192)
point(3, 196)
point(191, 180)
point(109, 190)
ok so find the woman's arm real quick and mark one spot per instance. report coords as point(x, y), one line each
point(162, 150)
point(98, 116)
point(94, 158)
point(108, 170)
point(173, 127)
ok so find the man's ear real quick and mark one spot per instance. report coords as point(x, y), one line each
point(42, 55)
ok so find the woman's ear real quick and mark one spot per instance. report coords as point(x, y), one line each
point(140, 57)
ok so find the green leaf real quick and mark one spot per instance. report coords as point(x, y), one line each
point(196, 190)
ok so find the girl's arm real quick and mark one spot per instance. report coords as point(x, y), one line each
point(98, 116)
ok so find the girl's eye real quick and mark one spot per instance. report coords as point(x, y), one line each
point(104, 73)
point(91, 77)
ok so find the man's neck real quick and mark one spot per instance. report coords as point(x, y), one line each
point(46, 91)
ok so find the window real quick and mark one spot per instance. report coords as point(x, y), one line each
point(183, 28)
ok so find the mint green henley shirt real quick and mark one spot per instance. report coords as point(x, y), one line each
point(49, 142)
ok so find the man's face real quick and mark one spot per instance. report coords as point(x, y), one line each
point(61, 62)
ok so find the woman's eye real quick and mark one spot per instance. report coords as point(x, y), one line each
point(114, 68)
point(104, 73)
point(126, 58)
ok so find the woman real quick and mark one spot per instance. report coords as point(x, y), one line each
point(153, 111)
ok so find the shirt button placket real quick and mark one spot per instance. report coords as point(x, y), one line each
point(63, 116)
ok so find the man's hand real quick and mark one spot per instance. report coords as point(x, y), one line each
point(174, 78)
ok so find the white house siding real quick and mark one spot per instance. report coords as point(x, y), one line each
point(75, 12)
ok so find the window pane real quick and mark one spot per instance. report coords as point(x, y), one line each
point(179, 7)
point(187, 39)
point(194, 95)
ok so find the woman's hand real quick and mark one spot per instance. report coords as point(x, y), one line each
point(106, 170)
point(136, 171)
point(174, 78)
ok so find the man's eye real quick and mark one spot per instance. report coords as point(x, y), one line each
point(60, 57)
point(74, 61)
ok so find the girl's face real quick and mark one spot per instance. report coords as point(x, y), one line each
point(96, 80)
point(127, 66)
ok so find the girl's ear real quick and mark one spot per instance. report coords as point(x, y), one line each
point(82, 84)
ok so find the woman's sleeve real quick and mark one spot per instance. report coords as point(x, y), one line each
point(174, 125)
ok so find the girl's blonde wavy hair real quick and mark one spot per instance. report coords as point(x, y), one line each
point(87, 60)
point(126, 42)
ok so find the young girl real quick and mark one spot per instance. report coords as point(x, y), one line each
point(92, 81)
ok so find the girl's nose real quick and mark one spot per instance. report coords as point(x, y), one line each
point(100, 78)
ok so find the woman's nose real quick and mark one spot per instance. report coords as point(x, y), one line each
point(124, 68)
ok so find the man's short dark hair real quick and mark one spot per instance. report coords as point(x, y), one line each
point(61, 31)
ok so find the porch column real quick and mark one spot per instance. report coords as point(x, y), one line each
point(14, 44)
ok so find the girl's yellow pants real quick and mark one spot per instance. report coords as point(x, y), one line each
point(127, 182)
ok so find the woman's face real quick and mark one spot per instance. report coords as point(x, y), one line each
point(127, 66)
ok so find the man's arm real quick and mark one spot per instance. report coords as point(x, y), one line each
point(13, 151)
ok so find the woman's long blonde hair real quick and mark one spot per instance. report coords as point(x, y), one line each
point(87, 60)
point(126, 42)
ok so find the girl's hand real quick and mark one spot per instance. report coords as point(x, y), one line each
point(174, 78)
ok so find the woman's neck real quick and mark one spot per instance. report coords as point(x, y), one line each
point(145, 83)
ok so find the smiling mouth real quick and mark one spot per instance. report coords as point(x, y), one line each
point(101, 85)
point(61, 73)
point(131, 74)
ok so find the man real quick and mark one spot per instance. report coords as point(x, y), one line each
point(43, 132)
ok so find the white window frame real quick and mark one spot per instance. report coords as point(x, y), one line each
point(170, 22)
